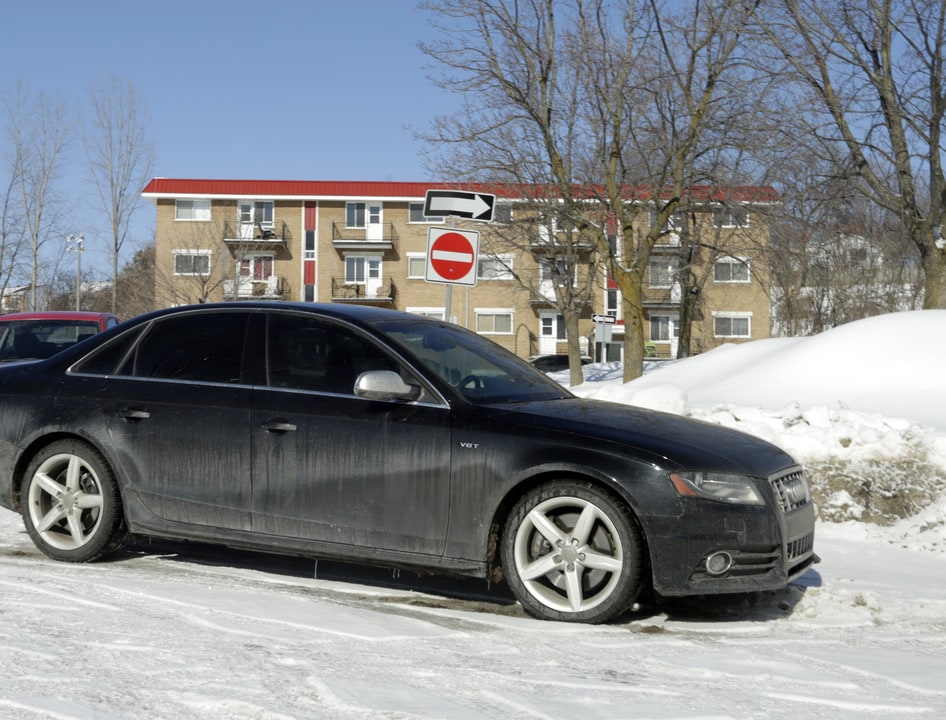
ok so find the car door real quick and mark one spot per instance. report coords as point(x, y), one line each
point(335, 468)
point(178, 415)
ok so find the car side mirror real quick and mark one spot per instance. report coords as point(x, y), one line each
point(385, 385)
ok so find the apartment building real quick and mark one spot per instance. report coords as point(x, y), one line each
point(366, 243)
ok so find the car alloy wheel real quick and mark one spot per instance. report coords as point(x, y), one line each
point(72, 509)
point(573, 552)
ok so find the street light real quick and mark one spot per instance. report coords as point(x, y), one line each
point(76, 240)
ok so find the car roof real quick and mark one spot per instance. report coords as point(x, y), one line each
point(360, 313)
point(54, 315)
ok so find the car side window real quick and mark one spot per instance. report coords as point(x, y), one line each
point(305, 353)
point(197, 347)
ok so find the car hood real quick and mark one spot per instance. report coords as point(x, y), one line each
point(672, 441)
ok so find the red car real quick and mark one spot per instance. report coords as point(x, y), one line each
point(38, 335)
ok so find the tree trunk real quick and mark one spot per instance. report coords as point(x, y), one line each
point(572, 332)
point(934, 268)
point(633, 307)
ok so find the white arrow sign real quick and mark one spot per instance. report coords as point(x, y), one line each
point(475, 206)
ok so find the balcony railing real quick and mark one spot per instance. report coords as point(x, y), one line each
point(377, 291)
point(275, 234)
point(271, 288)
point(378, 236)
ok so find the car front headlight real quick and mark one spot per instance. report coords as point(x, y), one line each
point(735, 489)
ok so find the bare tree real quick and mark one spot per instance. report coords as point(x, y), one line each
point(557, 93)
point(40, 135)
point(871, 81)
point(11, 235)
point(120, 159)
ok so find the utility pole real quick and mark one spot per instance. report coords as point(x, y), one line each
point(74, 244)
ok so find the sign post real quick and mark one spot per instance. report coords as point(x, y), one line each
point(452, 255)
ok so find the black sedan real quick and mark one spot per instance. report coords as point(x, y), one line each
point(386, 438)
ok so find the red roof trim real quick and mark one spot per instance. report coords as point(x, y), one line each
point(176, 187)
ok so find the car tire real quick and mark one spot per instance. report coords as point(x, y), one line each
point(573, 552)
point(71, 504)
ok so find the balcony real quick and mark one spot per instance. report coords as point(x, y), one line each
point(253, 236)
point(373, 292)
point(378, 236)
point(271, 288)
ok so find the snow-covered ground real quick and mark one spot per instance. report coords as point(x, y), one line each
point(180, 632)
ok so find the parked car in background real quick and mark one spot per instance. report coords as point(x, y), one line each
point(38, 335)
point(375, 436)
point(553, 362)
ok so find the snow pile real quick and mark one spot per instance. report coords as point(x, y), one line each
point(862, 406)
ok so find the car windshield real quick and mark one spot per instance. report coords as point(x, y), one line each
point(38, 339)
point(476, 367)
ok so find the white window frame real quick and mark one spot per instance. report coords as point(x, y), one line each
point(256, 212)
point(192, 210)
point(416, 259)
point(550, 275)
point(670, 265)
point(500, 267)
point(612, 302)
point(193, 254)
point(370, 268)
point(415, 214)
point(669, 322)
point(730, 316)
point(732, 262)
point(483, 313)
point(256, 260)
point(435, 313)
point(730, 217)
point(354, 209)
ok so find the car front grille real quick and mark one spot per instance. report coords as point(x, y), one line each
point(791, 490)
point(800, 547)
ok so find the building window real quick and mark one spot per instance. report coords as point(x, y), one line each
point(417, 266)
point(192, 210)
point(495, 267)
point(355, 214)
point(674, 222)
point(731, 270)
point(252, 212)
point(663, 329)
point(192, 262)
point(427, 312)
point(359, 269)
point(732, 325)
point(726, 217)
point(502, 213)
point(255, 267)
point(611, 302)
point(662, 272)
point(557, 273)
point(494, 322)
point(416, 215)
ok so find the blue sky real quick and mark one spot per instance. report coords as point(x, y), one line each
point(285, 89)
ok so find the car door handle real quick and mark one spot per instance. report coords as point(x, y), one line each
point(279, 426)
point(134, 415)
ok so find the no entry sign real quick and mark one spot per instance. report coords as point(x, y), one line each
point(451, 256)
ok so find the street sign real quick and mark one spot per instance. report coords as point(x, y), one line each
point(607, 319)
point(451, 256)
point(459, 203)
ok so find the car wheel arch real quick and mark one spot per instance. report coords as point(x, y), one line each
point(531, 482)
point(37, 444)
